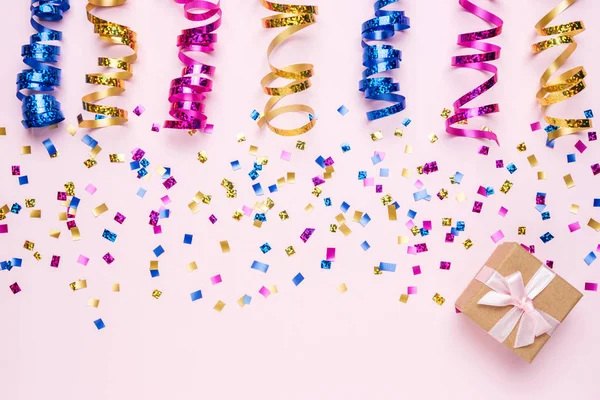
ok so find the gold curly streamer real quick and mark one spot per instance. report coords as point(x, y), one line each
point(295, 18)
point(116, 34)
point(567, 84)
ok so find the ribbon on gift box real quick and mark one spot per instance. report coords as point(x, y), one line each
point(510, 290)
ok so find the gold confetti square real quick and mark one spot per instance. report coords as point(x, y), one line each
point(438, 299)
point(231, 193)
point(116, 287)
point(387, 199)
point(202, 156)
point(94, 152)
point(55, 233)
point(420, 170)
point(408, 149)
point(403, 298)
point(506, 186)
point(291, 177)
point(225, 246)
point(333, 228)
point(377, 271)
point(153, 265)
point(90, 162)
point(468, 244)
point(443, 193)
point(432, 137)
point(92, 302)
point(37, 255)
point(227, 184)
point(75, 235)
point(300, 145)
point(357, 216)
point(392, 216)
point(446, 221)
point(194, 207)
point(592, 223)
point(283, 215)
point(253, 150)
point(415, 230)
point(345, 230)
point(237, 215)
point(569, 181)
point(403, 239)
point(269, 203)
point(317, 191)
point(116, 158)
point(192, 266)
point(160, 170)
point(522, 147)
point(35, 214)
point(206, 199)
point(273, 289)
point(340, 218)
point(532, 160)
point(375, 136)
point(101, 209)
point(79, 284)
point(25, 150)
point(2, 131)
point(29, 203)
point(28, 245)
point(156, 293)
point(342, 288)
point(574, 209)
point(522, 230)
point(398, 132)
point(257, 223)
point(219, 306)
point(71, 130)
point(445, 113)
point(262, 160)
point(240, 137)
point(240, 301)
point(406, 173)
point(290, 251)
point(541, 175)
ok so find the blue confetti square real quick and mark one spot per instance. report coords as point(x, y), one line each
point(512, 168)
point(187, 238)
point(325, 264)
point(406, 121)
point(253, 174)
point(74, 202)
point(154, 273)
point(298, 279)
point(273, 189)
point(550, 128)
point(258, 166)
point(454, 231)
point(345, 147)
point(254, 115)
point(247, 299)
point(588, 114)
point(197, 295)
point(364, 220)
point(365, 245)
point(144, 163)
point(590, 258)
point(411, 214)
point(545, 215)
point(23, 180)
point(141, 192)
point(158, 250)
point(235, 165)
point(546, 237)
point(265, 248)
point(90, 141)
point(258, 190)
point(164, 213)
point(396, 205)
point(571, 158)
point(16, 262)
point(384, 172)
point(99, 324)
point(458, 177)
point(376, 159)
point(343, 110)
point(262, 217)
point(134, 165)
point(423, 232)
point(362, 175)
point(420, 195)
point(540, 207)
point(320, 161)
point(327, 201)
point(260, 266)
point(389, 267)
point(142, 172)
point(16, 208)
point(489, 191)
point(460, 226)
point(596, 202)
point(108, 235)
point(345, 207)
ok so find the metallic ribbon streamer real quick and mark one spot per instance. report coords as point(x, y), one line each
point(478, 62)
point(294, 18)
point(188, 91)
point(382, 57)
point(40, 109)
point(567, 84)
point(115, 34)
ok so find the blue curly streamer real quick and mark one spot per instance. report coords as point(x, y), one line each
point(382, 57)
point(39, 109)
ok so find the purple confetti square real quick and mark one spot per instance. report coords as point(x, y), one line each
point(169, 183)
point(71, 224)
point(596, 169)
point(15, 288)
point(108, 258)
point(16, 170)
point(580, 146)
point(317, 180)
point(120, 218)
point(445, 265)
point(591, 286)
point(55, 261)
point(449, 238)
point(535, 126)
point(416, 270)
point(499, 163)
point(378, 188)
point(306, 234)
point(550, 264)
point(328, 161)
point(592, 136)
point(62, 196)
point(212, 218)
point(421, 247)
point(155, 128)
point(411, 290)
point(154, 215)
point(540, 199)
point(157, 229)
point(138, 154)
point(477, 206)
point(484, 150)
point(139, 110)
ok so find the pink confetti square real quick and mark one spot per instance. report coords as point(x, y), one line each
point(482, 191)
point(418, 184)
point(91, 189)
point(139, 110)
point(165, 199)
point(535, 126)
point(411, 290)
point(83, 260)
point(409, 224)
point(411, 250)
point(574, 226)
point(580, 146)
point(427, 225)
point(380, 154)
point(591, 286)
point(216, 279)
point(4, 228)
point(169, 183)
point(155, 127)
point(369, 182)
point(247, 211)
point(264, 291)
point(502, 212)
point(330, 256)
point(416, 270)
point(498, 236)
point(157, 229)
point(286, 155)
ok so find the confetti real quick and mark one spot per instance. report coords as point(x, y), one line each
point(496, 237)
point(156, 294)
point(403, 298)
point(197, 295)
point(219, 306)
point(590, 258)
point(343, 110)
point(569, 181)
point(438, 299)
point(99, 324)
point(298, 279)
point(260, 266)
point(591, 286)
point(101, 209)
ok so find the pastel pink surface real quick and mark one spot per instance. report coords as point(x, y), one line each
point(308, 341)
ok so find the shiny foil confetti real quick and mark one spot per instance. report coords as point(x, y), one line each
point(38, 108)
point(293, 18)
point(188, 92)
point(567, 84)
point(114, 81)
point(378, 58)
point(479, 62)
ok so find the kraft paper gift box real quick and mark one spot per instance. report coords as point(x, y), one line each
point(512, 286)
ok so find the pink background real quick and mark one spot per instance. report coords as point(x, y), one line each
point(307, 341)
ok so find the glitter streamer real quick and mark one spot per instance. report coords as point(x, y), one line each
point(40, 109)
point(115, 34)
point(490, 52)
point(188, 92)
point(382, 57)
point(567, 84)
point(294, 18)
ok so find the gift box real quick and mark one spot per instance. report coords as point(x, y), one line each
point(518, 300)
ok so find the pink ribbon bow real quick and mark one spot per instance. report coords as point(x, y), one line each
point(511, 291)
